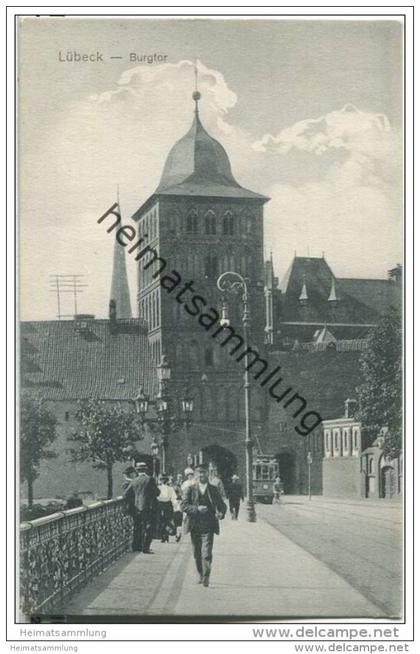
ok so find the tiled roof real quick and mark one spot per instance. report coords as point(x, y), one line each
point(61, 363)
point(317, 276)
point(379, 294)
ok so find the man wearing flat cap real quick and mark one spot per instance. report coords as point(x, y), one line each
point(145, 492)
point(204, 507)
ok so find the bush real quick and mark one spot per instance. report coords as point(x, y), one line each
point(38, 511)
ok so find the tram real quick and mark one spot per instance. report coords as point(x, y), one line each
point(265, 469)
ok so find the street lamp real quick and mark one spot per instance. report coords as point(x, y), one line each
point(309, 462)
point(230, 281)
point(167, 415)
point(163, 370)
point(187, 406)
point(142, 402)
point(155, 453)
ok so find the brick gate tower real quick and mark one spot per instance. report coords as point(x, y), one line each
point(202, 223)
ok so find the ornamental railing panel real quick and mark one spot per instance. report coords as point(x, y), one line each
point(61, 553)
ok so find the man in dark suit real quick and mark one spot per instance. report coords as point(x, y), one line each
point(145, 492)
point(235, 495)
point(204, 507)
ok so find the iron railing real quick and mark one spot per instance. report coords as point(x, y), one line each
point(61, 553)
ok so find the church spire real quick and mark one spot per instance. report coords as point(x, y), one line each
point(120, 292)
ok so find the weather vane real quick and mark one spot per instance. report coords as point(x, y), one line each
point(196, 95)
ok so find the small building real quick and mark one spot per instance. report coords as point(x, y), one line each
point(382, 477)
point(350, 468)
point(341, 463)
point(65, 361)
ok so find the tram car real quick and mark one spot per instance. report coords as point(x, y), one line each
point(265, 469)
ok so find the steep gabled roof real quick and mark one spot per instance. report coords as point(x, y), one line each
point(319, 279)
point(380, 294)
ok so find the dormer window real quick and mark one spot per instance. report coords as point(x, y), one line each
point(303, 297)
point(332, 298)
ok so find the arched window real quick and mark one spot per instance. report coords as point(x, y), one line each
point(153, 311)
point(228, 227)
point(346, 439)
point(194, 355)
point(249, 225)
point(243, 265)
point(208, 405)
point(355, 441)
point(327, 442)
point(209, 356)
point(192, 222)
point(211, 266)
point(210, 223)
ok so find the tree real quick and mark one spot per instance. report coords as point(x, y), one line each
point(395, 274)
point(104, 432)
point(380, 393)
point(38, 430)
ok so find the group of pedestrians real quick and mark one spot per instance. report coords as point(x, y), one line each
point(193, 504)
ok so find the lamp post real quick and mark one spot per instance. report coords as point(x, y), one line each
point(154, 447)
point(230, 281)
point(166, 419)
point(309, 462)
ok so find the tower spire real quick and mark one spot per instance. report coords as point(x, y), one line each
point(120, 292)
point(196, 96)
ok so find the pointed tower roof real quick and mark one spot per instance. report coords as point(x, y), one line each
point(304, 293)
point(332, 296)
point(198, 165)
point(120, 292)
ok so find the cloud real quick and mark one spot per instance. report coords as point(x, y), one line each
point(120, 136)
point(334, 180)
point(349, 128)
point(352, 208)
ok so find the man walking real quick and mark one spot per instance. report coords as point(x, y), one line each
point(166, 499)
point(145, 494)
point(235, 495)
point(204, 507)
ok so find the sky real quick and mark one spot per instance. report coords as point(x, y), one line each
point(309, 111)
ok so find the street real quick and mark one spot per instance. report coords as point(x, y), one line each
point(302, 559)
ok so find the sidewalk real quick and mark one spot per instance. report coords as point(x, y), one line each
point(256, 572)
point(396, 502)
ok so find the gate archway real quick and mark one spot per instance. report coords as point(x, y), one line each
point(287, 472)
